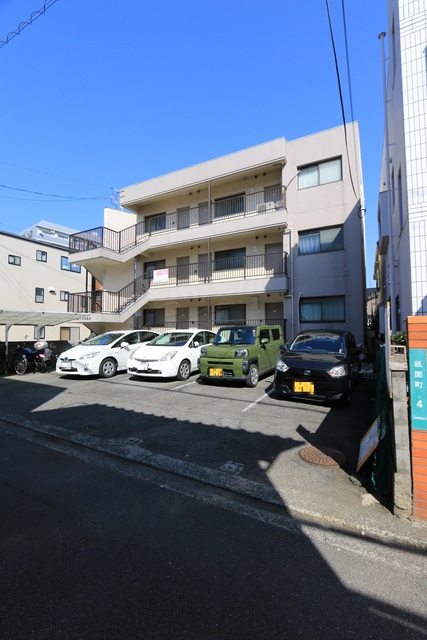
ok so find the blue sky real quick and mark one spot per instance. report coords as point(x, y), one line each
point(100, 95)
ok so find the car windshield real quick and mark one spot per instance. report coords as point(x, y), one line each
point(171, 339)
point(104, 338)
point(235, 335)
point(319, 343)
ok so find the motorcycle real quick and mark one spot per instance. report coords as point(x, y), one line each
point(40, 358)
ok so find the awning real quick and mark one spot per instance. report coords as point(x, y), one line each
point(34, 318)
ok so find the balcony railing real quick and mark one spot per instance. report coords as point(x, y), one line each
point(239, 268)
point(220, 209)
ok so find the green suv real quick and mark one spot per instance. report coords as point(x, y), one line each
point(241, 353)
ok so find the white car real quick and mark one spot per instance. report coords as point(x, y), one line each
point(102, 355)
point(173, 354)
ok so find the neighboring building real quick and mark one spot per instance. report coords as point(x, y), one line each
point(273, 233)
point(36, 278)
point(49, 232)
point(400, 268)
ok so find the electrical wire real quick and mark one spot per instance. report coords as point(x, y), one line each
point(53, 195)
point(341, 97)
point(53, 175)
point(26, 23)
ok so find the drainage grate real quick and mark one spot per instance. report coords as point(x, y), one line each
point(323, 457)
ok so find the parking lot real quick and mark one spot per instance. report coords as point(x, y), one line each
point(223, 427)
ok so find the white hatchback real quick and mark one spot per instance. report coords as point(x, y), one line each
point(173, 354)
point(102, 355)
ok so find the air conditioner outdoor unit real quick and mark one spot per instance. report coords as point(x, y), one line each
point(266, 206)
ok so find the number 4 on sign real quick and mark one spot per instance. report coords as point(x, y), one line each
point(420, 404)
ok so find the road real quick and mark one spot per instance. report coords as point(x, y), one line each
point(98, 548)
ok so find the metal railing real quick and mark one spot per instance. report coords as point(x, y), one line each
point(220, 209)
point(102, 301)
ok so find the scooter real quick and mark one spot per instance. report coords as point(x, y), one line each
point(40, 358)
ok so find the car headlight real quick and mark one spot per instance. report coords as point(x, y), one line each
point(88, 356)
point(169, 355)
point(339, 371)
point(241, 353)
point(203, 351)
point(281, 366)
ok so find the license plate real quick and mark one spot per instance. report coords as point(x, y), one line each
point(66, 365)
point(215, 372)
point(303, 387)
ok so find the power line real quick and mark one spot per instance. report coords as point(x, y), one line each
point(53, 195)
point(53, 175)
point(341, 96)
point(26, 23)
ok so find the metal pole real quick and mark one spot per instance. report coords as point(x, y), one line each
point(389, 207)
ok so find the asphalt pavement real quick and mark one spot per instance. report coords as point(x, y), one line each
point(309, 471)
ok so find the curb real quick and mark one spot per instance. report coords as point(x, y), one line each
point(215, 478)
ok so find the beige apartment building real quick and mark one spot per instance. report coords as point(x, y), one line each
point(36, 279)
point(273, 233)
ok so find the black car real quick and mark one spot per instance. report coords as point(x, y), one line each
point(318, 365)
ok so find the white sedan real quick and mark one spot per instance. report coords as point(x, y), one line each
point(173, 354)
point(102, 355)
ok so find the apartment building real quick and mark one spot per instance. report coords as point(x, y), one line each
point(400, 268)
point(36, 279)
point(273, 233)
point(49, 232)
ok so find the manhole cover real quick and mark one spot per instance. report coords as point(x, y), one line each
point(324, 457)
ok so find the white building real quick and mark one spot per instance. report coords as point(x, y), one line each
point(36, 279)
point(49, 232)
point(273, 233)
point(401, 260)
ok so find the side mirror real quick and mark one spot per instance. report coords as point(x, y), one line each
point(265, 340)
point(123, 345)
point(196, 344)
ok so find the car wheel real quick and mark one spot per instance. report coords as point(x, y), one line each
point(184, 370)
point(253, 376)
point(108, 368)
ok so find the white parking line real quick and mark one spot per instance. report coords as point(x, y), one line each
point(254, 403)
point(186, 384)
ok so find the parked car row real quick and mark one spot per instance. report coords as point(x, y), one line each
point(317, 365)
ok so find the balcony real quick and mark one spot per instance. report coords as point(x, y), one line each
point(194, 277)
point(219, 210)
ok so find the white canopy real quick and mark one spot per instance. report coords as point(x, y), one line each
point(35, 318)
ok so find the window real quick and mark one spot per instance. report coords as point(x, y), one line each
point(63, 296)
point(67, 266)
point(39, 333)
point(154, 317)
point(321, 240)
point(321, 173)
point(229, 206)
point(39, 294)
point(16, 260)
point(155, 223)
point(230, 259)
point(230, 314)
point(41, 256)
point(322, 309)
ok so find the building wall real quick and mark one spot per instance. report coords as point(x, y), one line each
point(18, 284)
point(336, 272)
point(406, 263)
